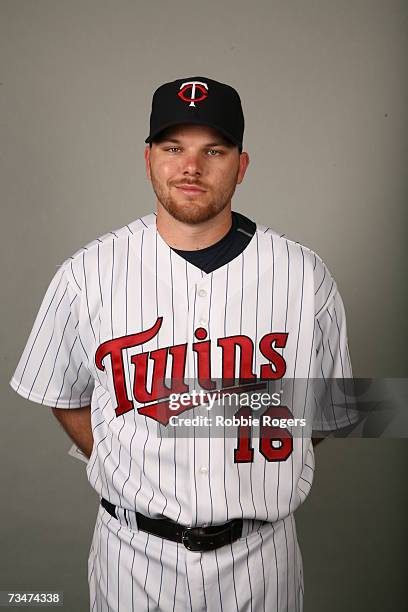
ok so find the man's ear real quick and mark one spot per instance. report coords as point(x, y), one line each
point(147, 160)
point(243, 165)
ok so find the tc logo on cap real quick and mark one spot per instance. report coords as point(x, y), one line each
point(193, 86)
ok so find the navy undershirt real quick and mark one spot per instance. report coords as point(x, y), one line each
point(226, 249)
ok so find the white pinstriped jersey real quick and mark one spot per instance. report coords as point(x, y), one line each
point(126, 304)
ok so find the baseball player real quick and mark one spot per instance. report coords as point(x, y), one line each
point(190, 292)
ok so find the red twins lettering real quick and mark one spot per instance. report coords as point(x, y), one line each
point(156, 361)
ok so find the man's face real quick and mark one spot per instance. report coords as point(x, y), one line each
point(194, 171)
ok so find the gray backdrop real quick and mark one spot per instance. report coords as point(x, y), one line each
point(324, 90)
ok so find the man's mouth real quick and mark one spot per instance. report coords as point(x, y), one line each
point(190, 189)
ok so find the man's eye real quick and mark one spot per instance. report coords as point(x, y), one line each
point(172, 149)
point(214, 152)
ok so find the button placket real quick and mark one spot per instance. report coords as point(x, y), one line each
point(198, 446)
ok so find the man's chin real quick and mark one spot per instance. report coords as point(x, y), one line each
point(191, 213)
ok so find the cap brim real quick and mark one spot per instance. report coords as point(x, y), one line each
point(227, 135)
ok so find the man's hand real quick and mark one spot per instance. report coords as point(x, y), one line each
point(77, 424)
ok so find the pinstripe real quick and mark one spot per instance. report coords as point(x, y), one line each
point(322, 281)
point(271, 327)
point(74, 277)
point(225, 333)
point(49, 343)
point(209, 427)
point(84, 389)
point(202, 576)
point(175, 430)
point(145, 418)
point(161, 572)
point(307, 385)
point(118, 563)
point(92, 575)
point(86, 297)
point(175, 586)
point(106, 456)
point(99, 278)
point(323, 349)
point(295, 364)
point(329, 296)
point(249, 575)
point(99, 603)
point(348, 358)
point(263, 571)
point(287, 291)
point(339, 351)
point(218, 579)
point(127, 361)
point(240, 331)
point(147, 571)
point(132, 572)
point(83, 347)
point(194, 515)
point(305, 479)
point(328, 345)
point(287, 566)
point(189, 591)
point(65, 371)
point(283, 349)
point(30, 350)
point(295, 590)
point(56, 354)
point(224, 440)
point(159, 428)
point(107, 568)
point(233, 577)
point(256, 344)
point(111, 285)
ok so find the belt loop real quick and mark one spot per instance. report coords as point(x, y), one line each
point(127, 518)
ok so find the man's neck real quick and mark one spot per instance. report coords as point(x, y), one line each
point(188, 237)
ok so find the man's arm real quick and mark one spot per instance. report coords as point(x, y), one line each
point(77, 424)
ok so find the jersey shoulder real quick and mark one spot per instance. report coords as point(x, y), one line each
point(72, 266)
point(121, 233)
point(325, 287)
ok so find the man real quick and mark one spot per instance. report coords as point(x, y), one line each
point(190, 294)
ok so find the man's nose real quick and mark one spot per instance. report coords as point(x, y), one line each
point(192, 164)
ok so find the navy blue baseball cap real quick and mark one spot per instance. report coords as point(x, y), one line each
point(200, 101)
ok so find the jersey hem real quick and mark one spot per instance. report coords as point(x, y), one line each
point(57, 403)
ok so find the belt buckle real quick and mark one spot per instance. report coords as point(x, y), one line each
point(189, 539)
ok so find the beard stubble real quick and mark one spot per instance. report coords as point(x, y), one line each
point(189, 210)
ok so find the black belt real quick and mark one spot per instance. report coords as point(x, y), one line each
point(197, 539)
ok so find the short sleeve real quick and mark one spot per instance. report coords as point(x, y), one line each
point(52, 368)
point(333, 385)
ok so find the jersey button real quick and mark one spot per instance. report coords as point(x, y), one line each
point(202, 322)
point(202, 293)
point(203, 469)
